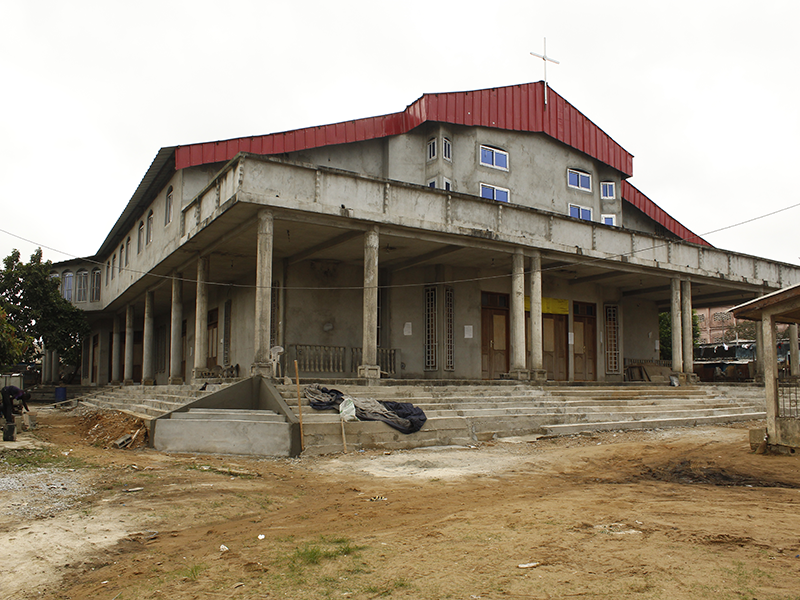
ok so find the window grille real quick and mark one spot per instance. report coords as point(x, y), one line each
point(95, 297)
point(226, 332)
point(612, 339)
point(449, 358)
point(273, 314)
point(431, 340)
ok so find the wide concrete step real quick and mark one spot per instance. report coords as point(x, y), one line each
point(228, 414)
point(569, 428)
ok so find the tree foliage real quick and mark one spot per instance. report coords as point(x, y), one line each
point(36, 311)
point(665, 333)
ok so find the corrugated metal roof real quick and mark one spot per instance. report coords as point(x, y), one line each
point(659, 215)
point(514, 108)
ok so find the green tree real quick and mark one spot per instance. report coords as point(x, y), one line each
point(36, 310)
point(665, 333)
point(12, 344)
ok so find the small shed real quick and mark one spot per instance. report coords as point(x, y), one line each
point(782, 395)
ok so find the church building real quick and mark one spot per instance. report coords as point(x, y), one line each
point(474, 235)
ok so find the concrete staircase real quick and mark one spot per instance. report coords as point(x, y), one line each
point(459, 414)
point(146, 401)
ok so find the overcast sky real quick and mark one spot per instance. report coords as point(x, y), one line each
point(704, 94)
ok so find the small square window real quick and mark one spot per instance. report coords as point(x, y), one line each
point(579, 180)
point(432, 183)
point(492, 157)
point(608, 219)
point(432, 149)
point(448, 186)
point(580, 212)
point(491, 192)
point(447, 149)
point(607, 190)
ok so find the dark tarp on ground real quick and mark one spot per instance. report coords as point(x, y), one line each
point(403, 416)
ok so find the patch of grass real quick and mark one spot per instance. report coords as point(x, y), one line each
point(388, 588)
point(41, 458)
point(193, 572)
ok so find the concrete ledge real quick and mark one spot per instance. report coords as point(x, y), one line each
point(249, 438)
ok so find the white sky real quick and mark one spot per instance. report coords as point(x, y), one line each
point(704, 94)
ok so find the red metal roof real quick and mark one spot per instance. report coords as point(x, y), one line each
point(514, 108)
point(655, 212)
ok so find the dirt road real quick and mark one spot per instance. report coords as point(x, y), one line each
point(679, 513)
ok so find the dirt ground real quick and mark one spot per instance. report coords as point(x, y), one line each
point(674, 513)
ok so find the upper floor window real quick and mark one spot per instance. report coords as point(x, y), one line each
point(447, 149)
point(448, 185)
point(140, 240)
point(127, 252)
point(432, 149)
point(121, 256)
point(149, 230)
point(580, 212)
point(494, 193)
point(108, 270)
point(432, 183)
point(66, 285)
point(168, 207)
point(579, 180)
point(81, 286)
point(492, 157)
point(113, 265)
point(95, 293)
point(608, 219)
point(608, 190)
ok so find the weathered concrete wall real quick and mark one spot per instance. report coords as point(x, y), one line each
point(639, 343)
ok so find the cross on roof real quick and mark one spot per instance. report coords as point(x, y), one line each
point(545, 59)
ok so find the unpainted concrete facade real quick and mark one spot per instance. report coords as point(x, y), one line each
point(357, 261)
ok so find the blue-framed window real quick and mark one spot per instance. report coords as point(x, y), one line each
point(608, 190)
point(608, 219)
point(579, 180)
point(580, 212)
point(492, 192)
point(492, 157)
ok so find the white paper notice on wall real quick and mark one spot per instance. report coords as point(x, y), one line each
point(407, 328)
point(571, 338)
point(467, 332)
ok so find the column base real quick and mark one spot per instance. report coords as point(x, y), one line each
point(263, 369)
point(175, 381)
point(127, 382)
point(538, 375)
point(519, 374)
point(369, 371)
point(148, 381)
point(114, 382)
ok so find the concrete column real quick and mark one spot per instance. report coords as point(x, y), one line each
point(55, 368)
point(148, 353)
point(538, 371)
point(46, 364)
point(677, 329)
point(116, 351)
point(759, 375)
point(128, 370)
point(794, 351)
point(686, 321)
point(262, 365)
point(176, 323)
point(770, 363)
point(517, 369)
point(201, 318)
point(369, 367)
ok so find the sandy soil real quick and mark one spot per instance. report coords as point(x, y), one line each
point(679, 513)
